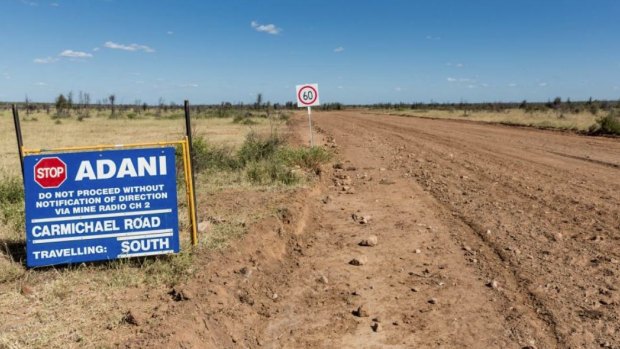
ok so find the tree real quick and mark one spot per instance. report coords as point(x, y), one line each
point(87, 99)
point(27, 102)
point(161, 103)
point(61, 105)
point(137, 105)
point(112, 98)
point(83, 105)
point(259, 101)
point(70, 100)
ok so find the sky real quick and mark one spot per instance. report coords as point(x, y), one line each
point(359, 52)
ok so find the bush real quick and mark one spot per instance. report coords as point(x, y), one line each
point(307, 158)
point(207, 156)
point(243, 120)
point(11, 191)
point(12, 203)
point(263, 160)
point(609, 124)
point(256, 148)
point(270, 172)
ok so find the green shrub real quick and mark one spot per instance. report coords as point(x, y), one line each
point(11, 191)
point(307, 158)
point(264, 160)
point(244, 120)
point(207, 156)
point(256, 148)
point(609, 124)
point(270, 172)
point(12, 203)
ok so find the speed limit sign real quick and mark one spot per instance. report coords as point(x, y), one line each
point(307, 95)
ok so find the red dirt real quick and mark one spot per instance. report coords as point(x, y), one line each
point(487, 237)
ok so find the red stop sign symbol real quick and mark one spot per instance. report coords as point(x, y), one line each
point(50, 172)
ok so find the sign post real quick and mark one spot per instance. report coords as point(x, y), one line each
point(100, 205)
point(18, 134)
point(308, 96)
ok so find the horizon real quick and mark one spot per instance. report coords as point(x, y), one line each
point(369, 53)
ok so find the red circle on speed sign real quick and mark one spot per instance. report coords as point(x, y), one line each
point(315, 95)
point(50, 172)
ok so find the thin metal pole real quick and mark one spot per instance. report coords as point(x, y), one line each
point(310, 124)
point(188, 132)
point(18, 134)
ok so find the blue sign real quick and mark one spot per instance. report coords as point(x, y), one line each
point(100, 205)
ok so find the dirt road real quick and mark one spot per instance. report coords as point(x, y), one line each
point(487, 237)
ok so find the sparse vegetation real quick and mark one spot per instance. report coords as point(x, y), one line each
point(261, 163)
point(209, 156)
point(12, 206)
point(265, 160)
point(608, 124)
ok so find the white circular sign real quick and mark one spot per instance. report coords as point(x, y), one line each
point(307, 95)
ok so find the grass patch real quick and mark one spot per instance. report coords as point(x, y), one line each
point(257, 148)
point(270, 172)
point(514, 117)
point(220, 235)
point(263, 160)
point(244, 119)
point(306, 158)
point(167, 270)
point(209, 156)
point(12, 206)
point(609, 124)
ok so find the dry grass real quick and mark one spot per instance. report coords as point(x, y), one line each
point(76, 307)
point(46, 133)
point(549, 119)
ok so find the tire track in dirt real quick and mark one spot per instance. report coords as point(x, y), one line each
point(453, 211)
point(532, 231)
point(417, 259)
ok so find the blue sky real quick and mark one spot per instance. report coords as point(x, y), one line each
point(357, 51)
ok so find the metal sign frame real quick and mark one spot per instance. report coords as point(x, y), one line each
point(187, 168)
point(187, 156)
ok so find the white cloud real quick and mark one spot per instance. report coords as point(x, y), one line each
point(459, 65)
point(542, 84)
point(96, 49)
point(189, 85)
point(398, 89)
point(339, 49)
point(54, 4)
point(430, 37)
point(75, 54)
point(340, 87)
point(7, 76)
point(266, 28)
point(512, 84)
point(169, 32)
point(30, 3)
point(484, 85)
point(45, 60)
point(40, 83)
point(451, 79)
point(130, 47)
point(471, 86)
